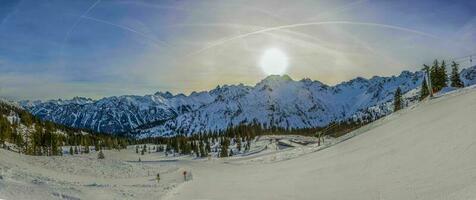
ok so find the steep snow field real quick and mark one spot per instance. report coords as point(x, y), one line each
point(424, 152)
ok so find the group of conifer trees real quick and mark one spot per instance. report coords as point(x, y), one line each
point(33, 136)
point(239, 137)
point(439, 78)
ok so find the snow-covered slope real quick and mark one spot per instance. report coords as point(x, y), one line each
point(423, 152)
point(275, 101)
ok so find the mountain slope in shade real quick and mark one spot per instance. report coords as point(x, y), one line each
point(275, 101)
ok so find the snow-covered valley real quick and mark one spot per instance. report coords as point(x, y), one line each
point(425, 151)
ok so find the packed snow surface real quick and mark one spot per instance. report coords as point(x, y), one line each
point(426, 151)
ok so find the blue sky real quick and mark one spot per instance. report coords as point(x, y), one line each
point(53, 49)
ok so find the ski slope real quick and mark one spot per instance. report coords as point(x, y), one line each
point(427, 151)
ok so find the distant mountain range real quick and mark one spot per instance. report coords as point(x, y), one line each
point(275, 101)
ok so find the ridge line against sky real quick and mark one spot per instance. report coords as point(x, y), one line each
point(95, 48)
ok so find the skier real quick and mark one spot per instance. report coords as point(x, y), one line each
point(184, 175)
point(158, 177)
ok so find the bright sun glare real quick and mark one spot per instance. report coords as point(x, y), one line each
point(274, 62)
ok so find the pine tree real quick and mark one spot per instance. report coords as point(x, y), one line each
point(202, 150)
point(224, 147)
point(443, 77)
point(196, 149)
point(433, 75)
point(455, 79)
point(397, 100)
point(238, 144)
point(424, 90)
point(438, 76)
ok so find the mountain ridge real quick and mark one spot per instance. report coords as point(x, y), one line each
point(274, 101)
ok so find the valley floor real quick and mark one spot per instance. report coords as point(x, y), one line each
point(426, 151)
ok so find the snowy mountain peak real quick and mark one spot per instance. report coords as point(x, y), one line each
point(166, 94)
point(275, 101)
point(275, 79)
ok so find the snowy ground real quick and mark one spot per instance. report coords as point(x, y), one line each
point(426, 151)
point(119, 176)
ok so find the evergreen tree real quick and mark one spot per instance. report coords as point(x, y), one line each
point(434, 74)
point(438, 76)
point(196, 149)
point(455, 79)
point(238, 144)
point(202, 150)
point(443, 77)
point(424, 90)
point(224, 147)
point(397, 100)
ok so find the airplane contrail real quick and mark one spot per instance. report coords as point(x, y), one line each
point(311, 40)
point(7, 16)
point(157, 42)
point(66, 37)
point(221, 42)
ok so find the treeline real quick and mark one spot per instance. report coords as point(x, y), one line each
point(438, 78)
point(239, 137)
point(34, 136)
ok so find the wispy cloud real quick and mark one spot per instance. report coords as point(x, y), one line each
point(94, 48)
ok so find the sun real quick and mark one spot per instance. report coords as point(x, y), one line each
point(274, 62)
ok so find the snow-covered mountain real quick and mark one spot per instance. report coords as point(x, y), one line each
point(275, 101)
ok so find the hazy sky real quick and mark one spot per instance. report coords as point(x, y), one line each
point(53, 49)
